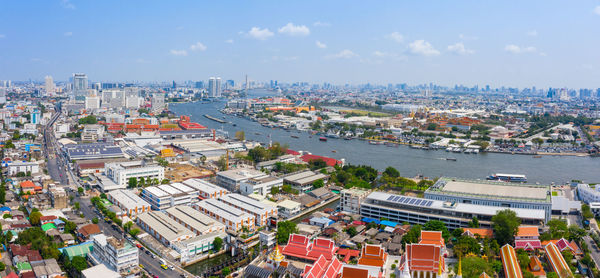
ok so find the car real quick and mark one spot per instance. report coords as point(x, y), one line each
point(141, 266)
point(138, 245)
point(147, 252)
point(164, 266)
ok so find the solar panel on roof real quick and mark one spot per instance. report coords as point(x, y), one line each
point(412, 201)
point(390, 198)
point(396, 199)
point(401, 199)
point(407, 200)
point(429, 203)
point(418, 202)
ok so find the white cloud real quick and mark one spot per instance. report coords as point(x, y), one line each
point(229, 41)
point(421, 47)
point(198, 46)
point(344, 54)
point(395, 36)
point(178, 52)
point(321, 24)
point(597, 10)
point(294, 30)
point(67, 4)
point(460, 49)
point(68, 34)
point(515, 49)
point(320, 44)
point(260, 34)
point(532, 33)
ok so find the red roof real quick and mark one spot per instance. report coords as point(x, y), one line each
point(322, 268)
point(424, 257)
point(348, 254)
point(528, 244)
point(48, 218)
point(330, 161)
point(292, 152)
point(12, 275)
point(191, 125)
point(299, 246)
point(27, 184)
point(432, 237)
point(373, 255)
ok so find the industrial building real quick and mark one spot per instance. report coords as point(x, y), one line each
point(232, 217)
point(163, 228)
point(303, 181)
point(260, 185)
point(121, 172)
point(129, 202)
point(194, 220)
point(232, 179)
point(206, 190)
point(496, 194)
point(193, 248)
point(259, 210)
point(169, 195)
point(92, 151)
point(414, 210)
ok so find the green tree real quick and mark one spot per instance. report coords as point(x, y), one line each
point(466, 245)
point(34, 218)
point(79, 263)
point(226, 270)
point(132, 183)
point(274, 190)
point(240, 135)
point(284, 229)
point(436, 225)
point(523, 258)
point(505, 224)
point(141, 182)
point(80, 190)
point(558, 228)
point(474, 266)
point(91, 119)
point(77, 206)
point(95, 220)
point(2, 266)
point(413, 235)
point(351, 231)
point(474, 223)
point(318, 183)
point(217, 244)
point(134, 232)
point(391, 172)
point(551, 275)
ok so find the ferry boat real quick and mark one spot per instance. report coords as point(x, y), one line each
point(508, 177)
point(323, 139)
point(295, 136)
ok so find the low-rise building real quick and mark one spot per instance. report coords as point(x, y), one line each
point(22, 167)
point(118, 255)
point(168, 195)
point(261, 185)
point(192, 248)
point(351, 199)
point(129, 202)
point(194, 220)
point(303, 181)
point(233, 218)
point(232, 179)
point(92, 151)
point(121, 172)
point(206, 190)
point(588, 194)
point(259, 210)
point(288, 208)
point(163, 228)
point(58, 197)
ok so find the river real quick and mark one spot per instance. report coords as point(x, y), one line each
point(410, 162)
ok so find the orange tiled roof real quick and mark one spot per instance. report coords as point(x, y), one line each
point(536, 267)
point(484, 275)
point(424, 257)
point(556, 259)
point(373, 255)
point(432, 237)
point(349, 271)
point(512, 269)
point(528, 231)
point(27, 184)
point(480, 231)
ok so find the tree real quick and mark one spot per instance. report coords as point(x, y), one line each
point(506, 225)
point(95, 220)
point(222, 163)
point(77, 206)
point(217, 244)
point(391, 172)
point(474, 223)
point(80, 190)
point(134, 232)
point(474, 266)
point(351, 231)
point(2, 266)
point(413, 235)
point(551, 275)
point(240, 135)
point(226, 270)
point(284, 229)
point(162, 162)
point(79, 263)
point(558, 228)
point(274, 190)
point(523, 258)
point(165, 181)
point(34, 218)
point(132, 183)
point(141, 182)
point(437, 225)
point(318, 183)
point(91, 119)
point(127, 226)
point(466, 245)
point(315, 164)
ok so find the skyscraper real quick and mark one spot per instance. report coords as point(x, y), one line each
point(49, 85)
point(214, 86)
point(80, 84)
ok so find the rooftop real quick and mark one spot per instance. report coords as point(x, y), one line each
point(490, 189)
point(165, 226)
point(241, 174)
point(193, 218)
point(203, 186)
point(128, 199)
point(223, 210)
point(247, 203)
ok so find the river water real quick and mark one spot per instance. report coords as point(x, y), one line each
point(410, 162)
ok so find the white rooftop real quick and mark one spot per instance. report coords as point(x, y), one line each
point(204, 186)
point(247, 203)
point(241, 174)
point(223, 210)
point(128, 199)
point(193, 218)
point(165, 226)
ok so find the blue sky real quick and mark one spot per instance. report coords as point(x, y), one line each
point(501, 43)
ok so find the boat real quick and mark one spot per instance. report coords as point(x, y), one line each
point(323, 139)
point(295, 136)
point(347, 138)
point(256, 133)
point(537, 156)
point(507, 177)
point(375, 143)
point(234, 124)
point(214, 119)
point(332, 135)
point(450, 158)
point(334, 151)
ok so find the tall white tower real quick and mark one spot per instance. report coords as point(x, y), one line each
point(49, 85)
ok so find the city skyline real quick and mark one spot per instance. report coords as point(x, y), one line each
point(543, 44)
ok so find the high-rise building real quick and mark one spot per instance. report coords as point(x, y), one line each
point(49, 85)
point(80, 84)
point(92, 102)
point(158, 102)
point(214, 86)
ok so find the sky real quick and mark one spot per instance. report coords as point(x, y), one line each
point(552, 43)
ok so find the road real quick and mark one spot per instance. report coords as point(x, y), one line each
point(55, 168)
point(576, 220)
